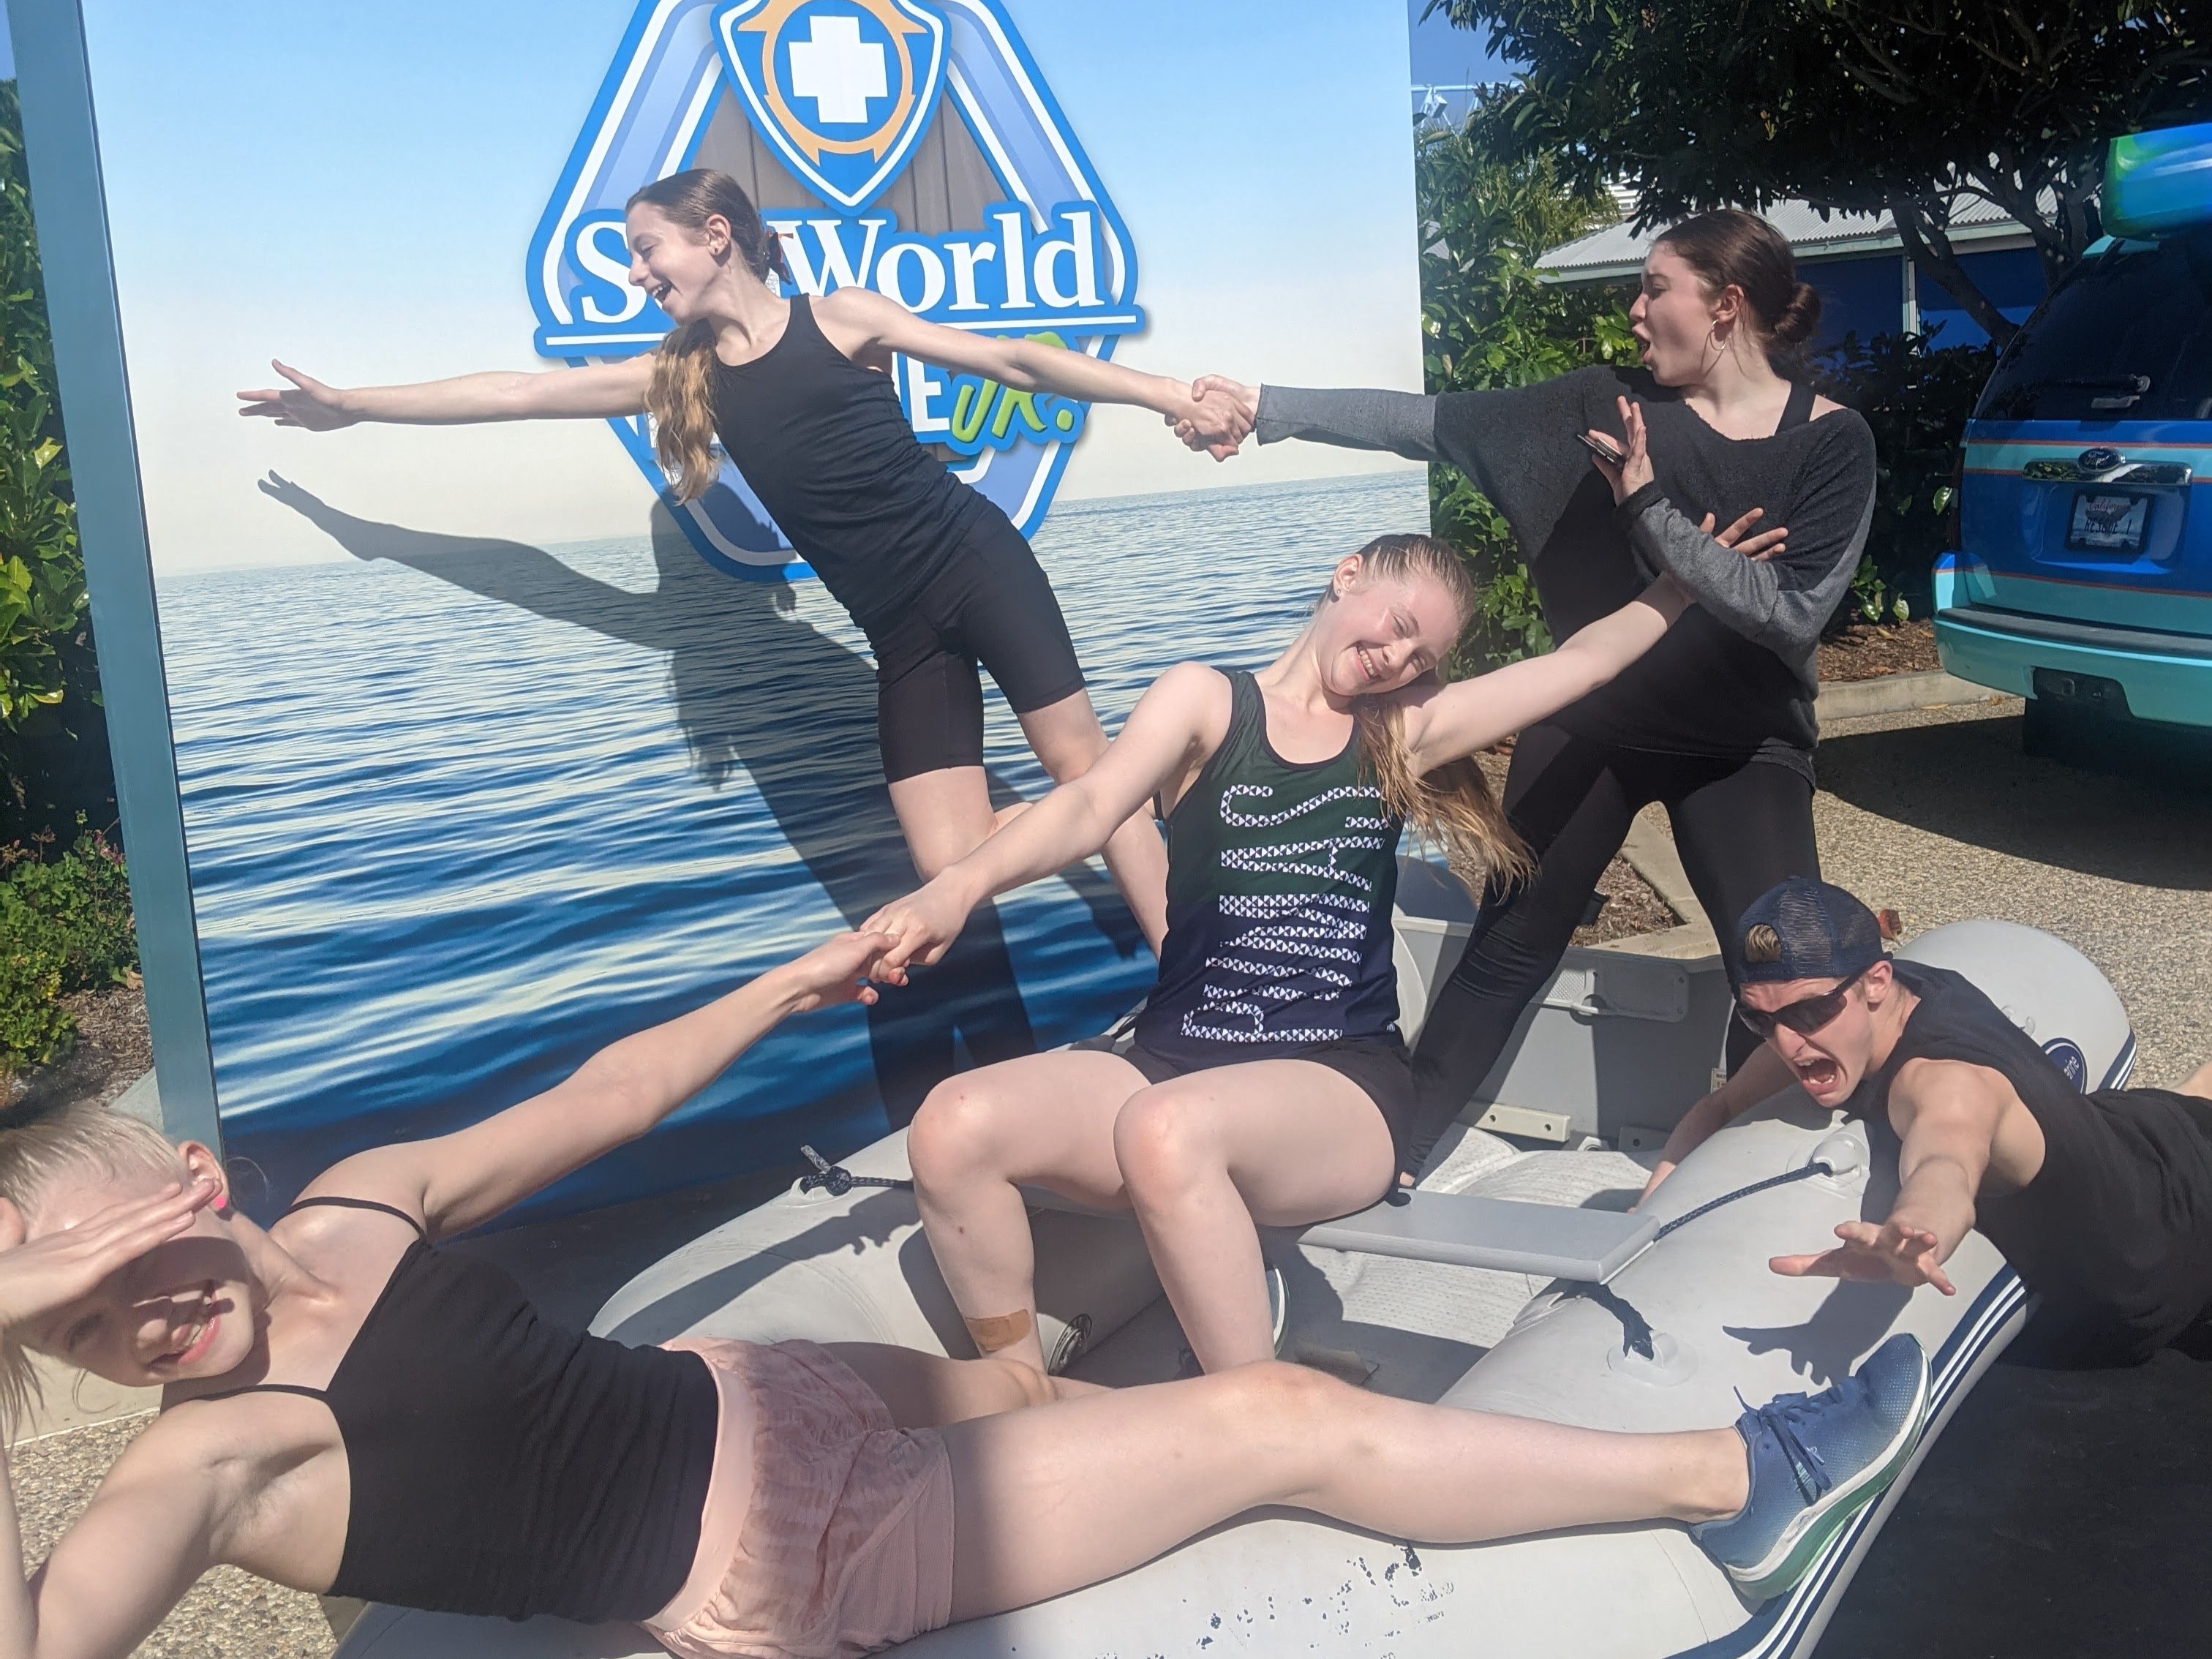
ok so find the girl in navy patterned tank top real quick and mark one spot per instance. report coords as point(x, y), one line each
point(1267, 1083)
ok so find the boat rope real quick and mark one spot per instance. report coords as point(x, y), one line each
point(836, 1180)
point(1636, 1335)
point(1817, 1167)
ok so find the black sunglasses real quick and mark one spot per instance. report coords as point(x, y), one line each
point(1804, 1016)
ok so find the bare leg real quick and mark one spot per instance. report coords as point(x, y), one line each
point(1046, 1118)
point(946, 815)
point(1276, 1142)
point(1048, 1500)
point(2200, 1082)
point(1068, 740)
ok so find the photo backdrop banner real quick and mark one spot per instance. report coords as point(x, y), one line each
point(487, 751)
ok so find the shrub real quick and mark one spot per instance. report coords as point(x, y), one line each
point(53, 735)
point(65, 926)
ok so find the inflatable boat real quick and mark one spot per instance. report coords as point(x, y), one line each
point(1516, 1280)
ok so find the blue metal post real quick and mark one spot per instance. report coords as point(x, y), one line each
point(62, 147)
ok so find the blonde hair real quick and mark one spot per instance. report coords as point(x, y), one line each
point(680, 398)
point(1450, 808)
point(74, 1139)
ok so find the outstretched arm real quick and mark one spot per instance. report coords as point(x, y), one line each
point(1468, 715)
point(1026, 365)
point(151, 1528)
point(608, 390)
point(459, 1180)
point(1763, 1075)
point(1949, 1114)
point(1178, 720)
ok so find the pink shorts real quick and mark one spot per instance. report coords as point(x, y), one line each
point(834, 1529)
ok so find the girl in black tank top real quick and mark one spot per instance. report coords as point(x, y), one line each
point(348, 1407)
point(1266, 1083)
point(799, 393)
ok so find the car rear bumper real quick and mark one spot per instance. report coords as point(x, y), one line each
point(2167, 677)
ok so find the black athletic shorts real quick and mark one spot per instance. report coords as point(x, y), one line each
point(991, 606)
point(1379, 1067)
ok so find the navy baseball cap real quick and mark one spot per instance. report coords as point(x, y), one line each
point(1807, 929)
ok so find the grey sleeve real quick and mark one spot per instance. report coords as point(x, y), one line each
point(1784, 602)
point(1403, 422)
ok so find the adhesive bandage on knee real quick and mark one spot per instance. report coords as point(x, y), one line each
point(998, 1331)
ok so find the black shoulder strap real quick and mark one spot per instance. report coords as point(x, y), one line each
point(1799, 408)
point(304, 1393)
point(337, 1203)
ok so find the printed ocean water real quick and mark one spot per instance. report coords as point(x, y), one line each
point(459, 812)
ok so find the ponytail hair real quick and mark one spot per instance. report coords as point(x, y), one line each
point(680, 397)
point(1728, 248)
point(37, 1147)
point(1451, 808)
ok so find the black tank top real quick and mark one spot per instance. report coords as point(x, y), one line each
point(2116, 1228)
point(1281, 880)
point(502, 1465)
point(825, 445)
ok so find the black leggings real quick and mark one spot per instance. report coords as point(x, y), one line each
point(1740, 826)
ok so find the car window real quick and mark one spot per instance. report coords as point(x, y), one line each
point(2128, 336)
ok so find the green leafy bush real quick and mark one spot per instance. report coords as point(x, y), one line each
point(1916, 396)
point(53, 741)
point(65, 926)
point(1487, 321)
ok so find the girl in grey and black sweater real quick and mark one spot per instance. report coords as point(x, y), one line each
point(1717, 722)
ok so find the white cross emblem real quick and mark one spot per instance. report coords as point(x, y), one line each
point(839, 70)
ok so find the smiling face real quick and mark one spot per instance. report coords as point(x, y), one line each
point(1674, 318)
point(675, 265)
point(188, 1308)
point(1834, 1060)
point(1377, 634)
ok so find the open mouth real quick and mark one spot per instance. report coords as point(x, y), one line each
point(1367, 665)
point(197, 1339)
point(660, 291)
point(1818, 1073)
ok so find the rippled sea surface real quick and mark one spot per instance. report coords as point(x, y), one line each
point(460, 813)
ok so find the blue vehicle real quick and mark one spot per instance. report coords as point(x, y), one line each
point(2083, 577)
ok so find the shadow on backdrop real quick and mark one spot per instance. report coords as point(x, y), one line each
point(736, 651)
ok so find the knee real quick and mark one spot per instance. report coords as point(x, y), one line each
point(1162, 1145)
point(1293, 1400)
point(954, 1133)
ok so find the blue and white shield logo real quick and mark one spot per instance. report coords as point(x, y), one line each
point(842, 88)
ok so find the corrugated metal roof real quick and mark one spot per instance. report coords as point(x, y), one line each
point(1618, 252)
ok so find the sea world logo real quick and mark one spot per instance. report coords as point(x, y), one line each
point(2066, 1054)
point(909, 146)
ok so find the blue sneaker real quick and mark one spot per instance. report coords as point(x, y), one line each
point(1817, 1461)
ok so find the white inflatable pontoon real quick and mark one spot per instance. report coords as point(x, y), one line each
point(1462, 1296)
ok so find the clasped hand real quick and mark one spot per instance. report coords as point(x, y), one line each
point(1220, 417)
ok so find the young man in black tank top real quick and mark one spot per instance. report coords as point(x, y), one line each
point(2102, 1202)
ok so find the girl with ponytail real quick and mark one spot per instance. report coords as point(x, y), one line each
point(1266, 1083)
point(1717, 722)
point(797, 392)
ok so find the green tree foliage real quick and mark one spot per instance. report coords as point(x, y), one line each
point(1917, 395)
point(1919, 107)
point(1487, 321)
point(54, 747)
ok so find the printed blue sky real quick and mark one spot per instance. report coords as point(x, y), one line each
point(353, 188)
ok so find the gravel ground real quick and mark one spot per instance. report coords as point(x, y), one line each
point(1939, 816)
point(229, 1614)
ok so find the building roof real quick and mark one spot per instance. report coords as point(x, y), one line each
point(1617, 251)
